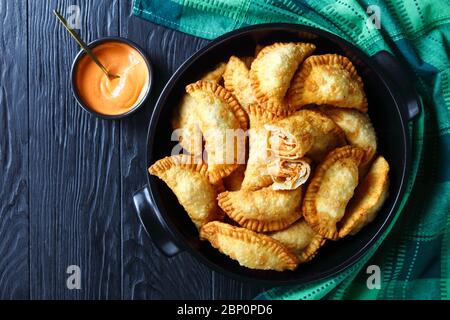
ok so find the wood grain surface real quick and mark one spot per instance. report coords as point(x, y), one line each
point(74, 169)
point(68, 177)
point(14, 188)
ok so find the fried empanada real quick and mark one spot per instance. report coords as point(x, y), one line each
point(185, 119)
point(305, 132)
point(237, 81)
point(330, 190)
point(357, 127)
point(188, 179)
point(327, 79)
point(219, 114)
point(262, 210)
point(300, 239)
point(272, 70)
point(250, 249)
point(288, 174)
point(368, 199)
point(256, 174)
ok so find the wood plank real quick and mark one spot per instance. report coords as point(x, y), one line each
point(14, 210)
point(146, 273)
point(74, 163)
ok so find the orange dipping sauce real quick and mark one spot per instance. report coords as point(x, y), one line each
point(112, 96)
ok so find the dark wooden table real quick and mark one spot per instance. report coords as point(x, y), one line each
point(67, 177)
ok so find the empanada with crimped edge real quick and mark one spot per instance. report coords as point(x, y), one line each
point(327, 79)
point(250, 249)
point(357, 127)
point(188, 179)
point(218, 111)
point(330, 190)
point(272, 70)
point(184, 117)
point(256, 174)
point(368, 199)
point(300, 239)
point(237, 81)
point(262, 210)
point(305, 132)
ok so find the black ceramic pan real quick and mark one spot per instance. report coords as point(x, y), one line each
point(392, 104)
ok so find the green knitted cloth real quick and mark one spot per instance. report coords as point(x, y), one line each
point(414, 254)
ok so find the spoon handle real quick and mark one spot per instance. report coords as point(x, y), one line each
point(83, 45)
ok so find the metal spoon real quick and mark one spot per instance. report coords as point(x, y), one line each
point(84, 46)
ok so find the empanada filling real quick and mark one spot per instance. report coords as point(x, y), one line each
point(282, 144)
point(288, 174)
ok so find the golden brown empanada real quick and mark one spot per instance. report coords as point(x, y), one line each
point(300, 239)
point(264, 209)
point(327, 79)
point(256, 174)
point(357, 127)
point(330, 190)
point(237, 81)
point(190, 136)
point(219, 114)
point(305, 132)
point(272, 70)
point(368, 199)
point(189, 180)
point(250, 249)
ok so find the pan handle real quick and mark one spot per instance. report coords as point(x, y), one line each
point(152, 222)
point(402, 81)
